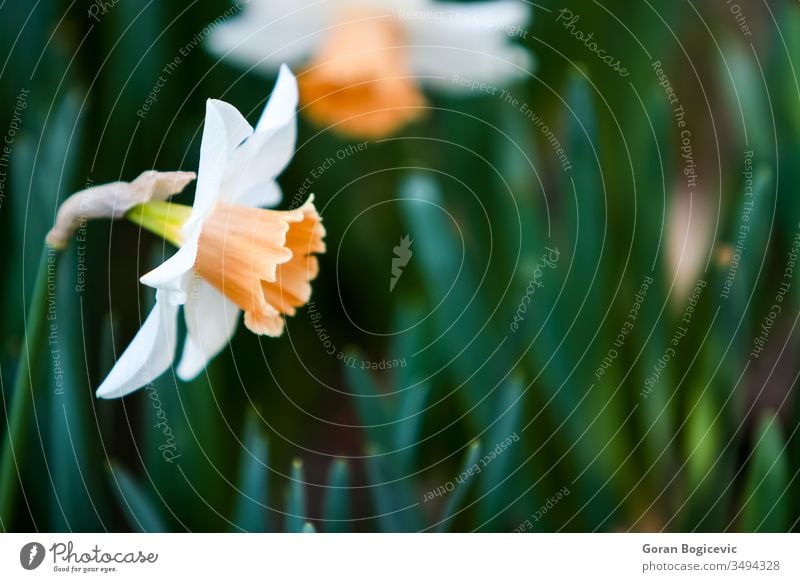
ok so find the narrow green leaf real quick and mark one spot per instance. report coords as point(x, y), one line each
point(703, 438)
point(135, 503)
point(396, 509)
point(27, 380)
point(734, 323)
point(296, 503)
point(746, 96)
point(75, 457)
point(410, 413)
point(250, 513)
point(500, 445)
point(766, 494)
point(467, 341)
point(337, 498)
point(586, 215)
point(458, 494)
point(411, 394)
point(647, 290)
point(370, 401)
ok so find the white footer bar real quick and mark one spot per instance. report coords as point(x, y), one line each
point(401, 557)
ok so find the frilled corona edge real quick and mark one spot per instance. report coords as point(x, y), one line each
point(113, 201)
point(262, 260)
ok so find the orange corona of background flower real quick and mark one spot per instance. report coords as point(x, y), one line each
point(360, 82)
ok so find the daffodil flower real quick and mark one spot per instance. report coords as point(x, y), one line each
point(364, 61)
point(233, 256)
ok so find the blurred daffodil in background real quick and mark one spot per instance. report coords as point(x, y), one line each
point(364, 64)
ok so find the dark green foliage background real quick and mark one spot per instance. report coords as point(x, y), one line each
point(280, 436)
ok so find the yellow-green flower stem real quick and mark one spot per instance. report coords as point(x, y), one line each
point(165, 219)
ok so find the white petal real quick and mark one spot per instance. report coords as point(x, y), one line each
point(503, 17)
point(474, 41)
point(281, 109)
point(259, 160)
point(171, 275)
point(211, 320)
point(149, 355)
point(224, 130)
point(404, 7)
point(269, 33)
point(257, 163)
point(265, 195)
point(440, 66)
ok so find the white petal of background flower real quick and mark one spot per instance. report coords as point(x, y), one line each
point(211, 321)
point(268, 33)
point(149, 355)
point(474, 41)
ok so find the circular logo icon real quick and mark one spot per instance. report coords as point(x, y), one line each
point(31, 555)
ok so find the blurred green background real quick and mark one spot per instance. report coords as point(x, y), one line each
point(280, 435)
